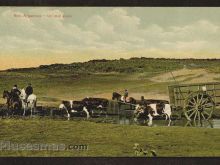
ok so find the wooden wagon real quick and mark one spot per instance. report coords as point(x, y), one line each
point(117, 107)
point(197, 101)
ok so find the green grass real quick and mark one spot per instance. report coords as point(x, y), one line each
point(78, 80)
point(52, 89)
point(108, 139)
point(56, 82)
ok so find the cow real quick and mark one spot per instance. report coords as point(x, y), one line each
point(74, 107)
point(143, 112)
point(96, 103)
point(157, 105)
point(155, 108)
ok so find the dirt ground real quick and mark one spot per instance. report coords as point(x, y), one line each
point(188, 76)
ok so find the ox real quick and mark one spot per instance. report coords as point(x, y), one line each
point(74, 107)
point(96, 103)
point(153, 109)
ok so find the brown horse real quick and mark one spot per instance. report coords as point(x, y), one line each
point(121, 100)
point(13, 103)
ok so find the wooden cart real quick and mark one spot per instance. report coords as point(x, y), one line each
point(197, 101)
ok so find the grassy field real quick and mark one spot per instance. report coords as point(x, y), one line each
point(99, 78)
point(107, 139)
point(51, 89)
point(142, 77)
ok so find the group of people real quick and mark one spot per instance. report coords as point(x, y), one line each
point(15, 92)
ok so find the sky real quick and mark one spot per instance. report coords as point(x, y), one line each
point(33, 36)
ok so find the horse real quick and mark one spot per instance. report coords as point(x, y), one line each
point(13, 103)
point(152, 110)
point(120, 99)
point(73, 107)
point(30, 102)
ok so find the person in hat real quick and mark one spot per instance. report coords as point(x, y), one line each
point(125, 95)
point(28, 91)
point(15, 92)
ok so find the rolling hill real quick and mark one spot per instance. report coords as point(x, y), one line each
point(147, 77)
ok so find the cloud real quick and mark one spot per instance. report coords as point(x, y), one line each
point(199, 26)
point(114, 30)
point(19, 31)
point(122, 21)
point(97, 24)
point(183, 46)
point(14, 42)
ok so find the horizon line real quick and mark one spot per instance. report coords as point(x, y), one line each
point(99, 59)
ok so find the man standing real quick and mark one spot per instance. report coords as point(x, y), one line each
point(28, 91)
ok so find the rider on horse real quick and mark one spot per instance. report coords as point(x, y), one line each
point(14, 97)
point(15, 92)
point(28, 91)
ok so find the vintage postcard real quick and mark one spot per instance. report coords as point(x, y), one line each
point(109, 81)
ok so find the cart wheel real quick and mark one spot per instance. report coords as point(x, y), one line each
point(199, 106)
point(200, 123)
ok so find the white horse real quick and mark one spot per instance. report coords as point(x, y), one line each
point(30, 103)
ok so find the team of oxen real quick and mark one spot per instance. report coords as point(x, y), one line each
point(144, 108)
point(85, 106)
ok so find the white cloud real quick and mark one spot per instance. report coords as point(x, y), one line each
point(201, 29)
point(97, 24)
point(18, 31)
point(122, 21)
point(183, 46)
point(199, 26)
point(14, 42)
point(117, 29)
